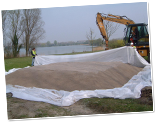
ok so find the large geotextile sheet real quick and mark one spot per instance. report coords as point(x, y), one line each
point(64, 79)
point(123, 54)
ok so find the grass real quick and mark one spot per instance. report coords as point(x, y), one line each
point(110, 105)
point(17, 62)
point(146, 58)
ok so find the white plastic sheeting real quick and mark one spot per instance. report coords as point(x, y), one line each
point(13, 70)
point(132, 89)
point(124, 54)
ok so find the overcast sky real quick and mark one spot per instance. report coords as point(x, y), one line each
point(74, 22)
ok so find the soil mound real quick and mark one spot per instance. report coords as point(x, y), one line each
point(74, 75)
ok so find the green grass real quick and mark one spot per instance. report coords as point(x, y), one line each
point(17, 62)
point(146, 58)
point(110, 105)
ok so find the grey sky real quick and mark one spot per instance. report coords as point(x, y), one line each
point(72, 23)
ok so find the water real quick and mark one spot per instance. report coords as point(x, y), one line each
point(59, 49)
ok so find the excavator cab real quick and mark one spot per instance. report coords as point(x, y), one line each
point(137, 35)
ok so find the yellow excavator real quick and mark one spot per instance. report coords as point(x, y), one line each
point(135, 35)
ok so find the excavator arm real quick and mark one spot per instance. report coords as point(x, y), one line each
point(118, 19)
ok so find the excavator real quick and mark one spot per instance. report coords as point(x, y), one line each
point(136, 34)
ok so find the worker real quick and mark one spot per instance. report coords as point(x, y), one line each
point(33, 53)
point(135, 36)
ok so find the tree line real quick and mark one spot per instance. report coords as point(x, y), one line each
point(24, 28)
point(21, 28)
point(95, 42)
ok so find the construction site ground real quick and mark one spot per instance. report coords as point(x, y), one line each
point(20, 109)
point(76, 76)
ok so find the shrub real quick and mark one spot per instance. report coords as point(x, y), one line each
point(116, 43)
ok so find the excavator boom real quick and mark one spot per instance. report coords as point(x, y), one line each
point(119, 19)
point(113, 18)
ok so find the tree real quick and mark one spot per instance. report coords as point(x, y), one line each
point(98, 42)
point(55, 43)
point(48, 43)
point(110, 27)
point(33, 30)
point(4, 18)
point(15, 30)
point(16, 47)
point(90, 37)
point(6, 44)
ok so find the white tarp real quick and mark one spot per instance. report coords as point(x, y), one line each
point(123, 54)
point(132, 89)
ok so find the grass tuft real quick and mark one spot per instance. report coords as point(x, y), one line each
point(110, 105)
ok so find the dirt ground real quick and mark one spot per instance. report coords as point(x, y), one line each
point(74, 76)
point(69, 77)
point(20, 109)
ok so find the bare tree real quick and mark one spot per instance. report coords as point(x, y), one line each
point(4, 18)
point(15, 30)
point(15, 24)
point(110, 27)
point(90, 37)
point(6, 43)
point(33, 30)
